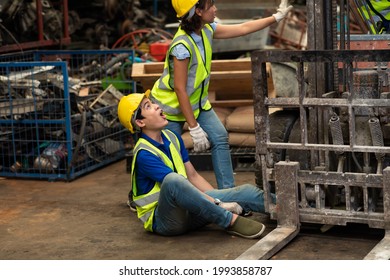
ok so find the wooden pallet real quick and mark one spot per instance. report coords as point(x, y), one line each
point(230, 83)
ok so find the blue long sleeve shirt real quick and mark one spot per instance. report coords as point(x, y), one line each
point(150, 168)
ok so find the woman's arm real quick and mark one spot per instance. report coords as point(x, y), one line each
point(224, 31)
point(236, 30)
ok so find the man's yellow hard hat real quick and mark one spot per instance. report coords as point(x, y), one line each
point(127, 109)
point(183, 6)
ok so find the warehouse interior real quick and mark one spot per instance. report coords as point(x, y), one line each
point(65, 159)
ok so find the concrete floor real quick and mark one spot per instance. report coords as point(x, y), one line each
point(88, 219)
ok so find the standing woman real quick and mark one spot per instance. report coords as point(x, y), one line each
point(182, 90)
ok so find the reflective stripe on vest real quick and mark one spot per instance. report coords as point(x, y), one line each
point(198, 77)
point(146, 203)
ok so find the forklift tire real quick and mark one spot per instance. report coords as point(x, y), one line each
point(281, 124)
point(281, 127)
point(301, 156)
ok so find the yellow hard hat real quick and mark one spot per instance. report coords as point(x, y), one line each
point(127, 108)
point(183, 6)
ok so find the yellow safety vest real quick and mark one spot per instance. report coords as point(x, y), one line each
point(146, 203)
point(163, 93)
point(382, 7)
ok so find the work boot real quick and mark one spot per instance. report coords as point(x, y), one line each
point(132, 206)
point(246, 228)
point(131, 203)
point(246, 213)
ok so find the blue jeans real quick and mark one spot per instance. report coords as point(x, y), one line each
point(182, 207)
point(220, 150)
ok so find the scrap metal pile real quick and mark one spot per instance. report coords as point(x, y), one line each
point(19, 21)
point(90, 24)
point(59, 117)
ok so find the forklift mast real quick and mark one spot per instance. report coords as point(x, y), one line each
point(325, 150)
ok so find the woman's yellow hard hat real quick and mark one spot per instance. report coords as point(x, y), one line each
point(182, 7)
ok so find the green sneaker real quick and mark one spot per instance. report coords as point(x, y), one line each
point(246, 228)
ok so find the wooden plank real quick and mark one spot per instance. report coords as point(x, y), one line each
point(219, 68)
point(381, 251)
point(152, 68)
point(229, 79)
point(232, 103)
point(269, 245)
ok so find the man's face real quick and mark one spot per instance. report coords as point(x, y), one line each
point(154, 118)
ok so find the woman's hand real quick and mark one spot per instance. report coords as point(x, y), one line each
point(200, 139)
point(282, 11)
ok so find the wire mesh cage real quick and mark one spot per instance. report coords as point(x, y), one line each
point(58, 112)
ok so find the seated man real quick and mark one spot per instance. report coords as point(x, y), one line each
point(171, 197)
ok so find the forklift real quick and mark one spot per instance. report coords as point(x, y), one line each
point(326, 152)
